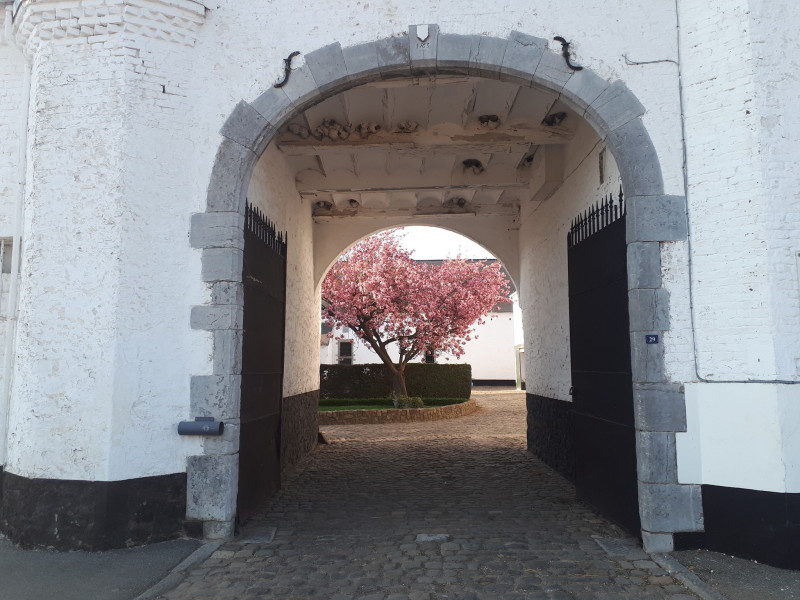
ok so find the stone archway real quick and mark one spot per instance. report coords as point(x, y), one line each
point(653, 217)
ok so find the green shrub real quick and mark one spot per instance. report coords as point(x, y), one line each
point(407, 402)
point(375, 381)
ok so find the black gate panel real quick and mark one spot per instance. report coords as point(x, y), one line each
point(264, 279)
point(602, 391)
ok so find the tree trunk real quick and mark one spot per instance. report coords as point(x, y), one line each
point(399, 381)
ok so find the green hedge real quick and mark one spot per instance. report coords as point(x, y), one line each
point(375, 381)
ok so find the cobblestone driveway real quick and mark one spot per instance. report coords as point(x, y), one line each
point(450, 509)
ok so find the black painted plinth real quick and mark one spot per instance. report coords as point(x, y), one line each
point(763, 526)
point(494, 382)
point(92, 515)
point(299, 427)
point(550, 433)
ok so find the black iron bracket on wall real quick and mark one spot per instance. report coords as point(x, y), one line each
point(565, 53)
point(287, 69)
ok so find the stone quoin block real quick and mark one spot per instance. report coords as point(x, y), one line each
point(217, 230)
point(670, 507)
point(636, 158)
point(486, 62)
point(227, 292)
point(394, 57)
point(219, 530)
point(656, 461)
point(362, 62)
point(222, 264)
point(328, 67)
point(552, 71)
point(227, 443)
point(212, 486)
point(522, 56)
point(614, 107)
point(583, 88)
point(648, 310)
point(227, 352)
point(215, 396)
point(659, 407)
point(229, 177)
point(274, 105)
point(656, 218)
point(644, 265)
point(455, 51)
point(647, 360)
point(423, 51)
point(211, 317)
point(657, 542)
point(248, 127)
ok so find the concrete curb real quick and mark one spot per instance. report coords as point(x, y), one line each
point(397, 415)
point(179, 572)
point(686, 577)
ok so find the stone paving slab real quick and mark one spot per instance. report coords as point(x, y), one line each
point(452, 510)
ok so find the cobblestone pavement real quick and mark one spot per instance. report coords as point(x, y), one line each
point(434, 510)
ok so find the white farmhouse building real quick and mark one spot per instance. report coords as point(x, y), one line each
point(154, 153)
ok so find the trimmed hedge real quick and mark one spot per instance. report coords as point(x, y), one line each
point(375, 381)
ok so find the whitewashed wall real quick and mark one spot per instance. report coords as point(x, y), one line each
point(544, 292)
point(741, 436)
point(13, 121)
point(104, 348)
point(272, 188)
point(118, 163)
point(740, 64)
point(14, 86)
point(737, 59)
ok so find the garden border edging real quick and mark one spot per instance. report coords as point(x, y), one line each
point(397, 415)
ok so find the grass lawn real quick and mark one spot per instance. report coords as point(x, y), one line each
point(327, 404)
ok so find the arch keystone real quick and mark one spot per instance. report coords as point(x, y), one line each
point(423, 52)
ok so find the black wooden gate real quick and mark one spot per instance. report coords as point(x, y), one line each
point(602, 393)
point(264, 279)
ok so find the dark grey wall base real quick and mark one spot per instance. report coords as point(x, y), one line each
point(299, 427)
point(495, 382)
point(92, 515)
point(550, 433)
point(764, 526)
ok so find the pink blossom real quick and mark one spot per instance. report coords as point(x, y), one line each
point(386, 297)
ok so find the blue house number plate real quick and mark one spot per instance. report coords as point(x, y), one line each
point(651, 339)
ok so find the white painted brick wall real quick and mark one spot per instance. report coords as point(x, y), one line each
point(543, 255)
point(156, 107)
point(13, 121)
point(774, 27)
point(13, 116)
point(104, 349)
point(738, 88)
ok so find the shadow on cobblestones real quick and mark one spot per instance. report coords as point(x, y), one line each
point(448, 509)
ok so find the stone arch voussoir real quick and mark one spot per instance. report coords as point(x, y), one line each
point(653, 217)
